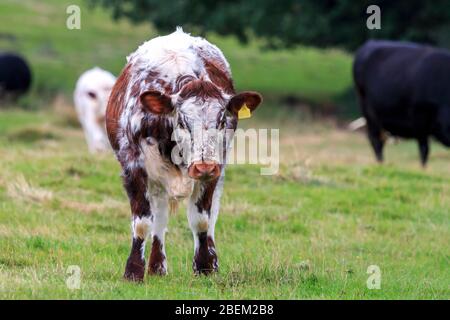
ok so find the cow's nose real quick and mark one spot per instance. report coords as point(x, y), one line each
point(204, 170)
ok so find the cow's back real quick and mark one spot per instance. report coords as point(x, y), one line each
point(15, 74)
point(432, 79)
point(384, 71)
point(397, 84)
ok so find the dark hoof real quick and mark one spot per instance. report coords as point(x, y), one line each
point(157, 270)
point(205, 269)
point(205, 262)
point(134, 270)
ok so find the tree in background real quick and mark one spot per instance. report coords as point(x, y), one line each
point(285, 23)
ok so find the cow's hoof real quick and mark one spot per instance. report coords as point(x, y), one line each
point(157, 269)
point(205, 263)
point(134, 270)
point(205, 269)
point(205, 259)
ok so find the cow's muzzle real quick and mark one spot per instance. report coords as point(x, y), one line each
point(204, 170)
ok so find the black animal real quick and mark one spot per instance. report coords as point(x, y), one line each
point(404, 89)
point(15, 75)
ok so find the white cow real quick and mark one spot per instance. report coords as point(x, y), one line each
point(91, 98)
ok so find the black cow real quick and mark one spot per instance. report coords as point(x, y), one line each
point(404, 89)
point(15, 75)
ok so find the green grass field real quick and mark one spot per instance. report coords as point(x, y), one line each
point(309, 232)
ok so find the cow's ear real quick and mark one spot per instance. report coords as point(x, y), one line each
point(156, 102)
point(243, 104)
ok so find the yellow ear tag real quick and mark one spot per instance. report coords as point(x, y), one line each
point(244, 112)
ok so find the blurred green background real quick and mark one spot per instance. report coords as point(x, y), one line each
point(37, 30)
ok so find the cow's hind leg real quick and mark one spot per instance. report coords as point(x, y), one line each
point(377, 139)
point(158, 264)
point(374, 131)
point(202, 214)
point(424, 150)
point(135, 183)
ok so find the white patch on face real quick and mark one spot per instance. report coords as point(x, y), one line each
point(201, 121)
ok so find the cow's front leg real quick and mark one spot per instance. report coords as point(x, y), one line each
point(135, 183)
point(158, 264)
point(202, 214)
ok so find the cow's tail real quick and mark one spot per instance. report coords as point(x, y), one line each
point(357, 124)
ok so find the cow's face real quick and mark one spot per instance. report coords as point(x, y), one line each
point(204, 120)
point(98, 99)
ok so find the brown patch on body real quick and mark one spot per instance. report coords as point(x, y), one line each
point(251, 99)
point(135, 183)
point(135, 90)
point(160, 129)
point(181, 81)
point(205, 200)
point(116, 104)
point(157, 258)
point(218, 75)
point(167, 87)
point(156, 102)
point(200, 89)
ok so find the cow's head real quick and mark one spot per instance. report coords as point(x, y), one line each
point(98, 100)
point(202, 115)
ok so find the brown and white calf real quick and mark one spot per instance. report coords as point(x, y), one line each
point(91, 98)
point(173, 83)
